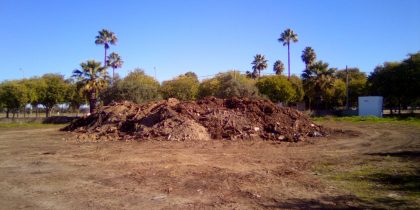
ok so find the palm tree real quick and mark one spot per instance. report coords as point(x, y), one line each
point(286, 37)
point(308, 56)
point(114, 61)
point(106, 38)
point(278, 67)
point(94, 78)
point(259, 64)
point(317, 78)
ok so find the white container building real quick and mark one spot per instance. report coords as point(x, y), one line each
point(371, 106)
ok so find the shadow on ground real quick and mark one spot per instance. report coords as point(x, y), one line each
point(346, 202)
point(58, 120)
point(326, 202)
point(407, 182)
point(44, 120)
point(401, 154)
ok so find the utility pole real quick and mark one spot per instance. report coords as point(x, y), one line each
point(154, 68)
point(347, 88)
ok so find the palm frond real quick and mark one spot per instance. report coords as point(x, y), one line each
point(105, 38)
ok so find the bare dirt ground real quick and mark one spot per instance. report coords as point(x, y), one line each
point(43, 168)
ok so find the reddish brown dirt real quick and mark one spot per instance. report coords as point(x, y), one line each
point(205, 119)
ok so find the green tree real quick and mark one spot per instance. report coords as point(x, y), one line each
point(228, 84)
point(2, 105)
point(136, 87)
point(286, 38)
point(106, 37)
point(31, 91)
point(277, 88)
point(397, 82)
point(335, 95)
point(75, 96)
point(183, 87)
point(53, 92)
point(357, 83)
point(208, 87)
point(234, 84)
point(308, 56)
point(259, 64)
point(411, 68)
point(382, 82)
point(278, 67)
point(36, 91)
point(297, 85)
point(353, 73)
point(13, 96)
point(114, 61)
point(317, 78)
point(94, 79)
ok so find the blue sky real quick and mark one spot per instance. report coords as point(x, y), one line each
point(207, 37)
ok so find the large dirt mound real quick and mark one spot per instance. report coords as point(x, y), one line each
point(210, 118)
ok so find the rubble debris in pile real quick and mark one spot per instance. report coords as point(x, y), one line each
point(205, 119)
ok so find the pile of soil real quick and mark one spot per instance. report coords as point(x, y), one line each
point(210, 118)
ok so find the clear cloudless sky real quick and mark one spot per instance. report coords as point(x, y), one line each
point(204, 36)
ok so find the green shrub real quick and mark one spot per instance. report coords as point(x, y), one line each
point(136, 87)
point(228, 84)
point(183, 87)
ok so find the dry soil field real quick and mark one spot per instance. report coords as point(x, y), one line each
point(43, 168)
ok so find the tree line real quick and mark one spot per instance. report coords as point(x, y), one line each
point(48, 91)
point(397, 82)
point(319, 85)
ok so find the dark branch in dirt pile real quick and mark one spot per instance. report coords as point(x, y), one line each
point(210, 118)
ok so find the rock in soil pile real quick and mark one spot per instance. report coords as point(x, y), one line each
point(210, 118)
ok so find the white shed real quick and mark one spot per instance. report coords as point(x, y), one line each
point(370, 106)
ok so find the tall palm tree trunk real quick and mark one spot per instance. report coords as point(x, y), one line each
point(105, 57)
point(288, 60)
point(113, 74)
